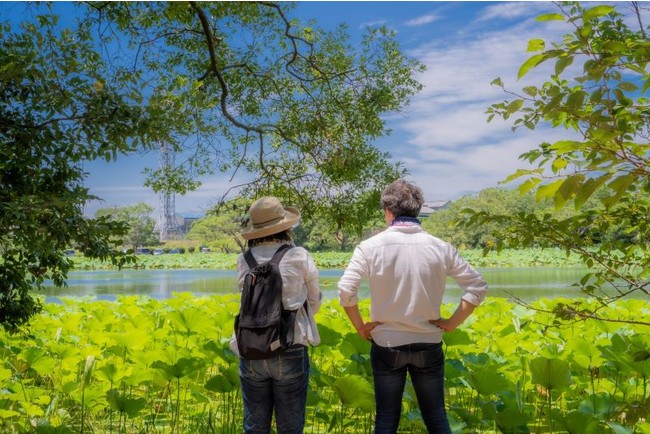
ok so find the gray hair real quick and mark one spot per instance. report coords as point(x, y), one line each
point(402, 198)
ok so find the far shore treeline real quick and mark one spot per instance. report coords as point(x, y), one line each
point(219, 229)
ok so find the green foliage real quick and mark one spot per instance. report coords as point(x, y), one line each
point(56, 112)
point(294, 107)
point(597, 92)
point(138, 363)
point(531, 257)
point(221, 228)
point(511, 206)
point(297, 106)
point(141, 227)
point(443, 223)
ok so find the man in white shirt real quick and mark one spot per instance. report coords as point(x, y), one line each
point(407, 270)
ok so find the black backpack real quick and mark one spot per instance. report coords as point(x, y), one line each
point(263, 327)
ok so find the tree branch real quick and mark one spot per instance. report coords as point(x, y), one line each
point(214, 67)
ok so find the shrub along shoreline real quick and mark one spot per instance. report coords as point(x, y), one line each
point(531, 257)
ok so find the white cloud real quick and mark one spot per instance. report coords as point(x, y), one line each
point(451, 173)
point(452, 149)
point(512, 10)
point(372, 24)
point(422, 20)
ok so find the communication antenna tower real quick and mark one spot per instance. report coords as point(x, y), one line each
point(167, 224)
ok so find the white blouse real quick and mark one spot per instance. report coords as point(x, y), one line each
point(299, 283)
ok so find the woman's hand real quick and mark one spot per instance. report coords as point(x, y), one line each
point(446, 324)
point(367, 327)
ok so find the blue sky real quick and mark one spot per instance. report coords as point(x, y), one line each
point(443, 138)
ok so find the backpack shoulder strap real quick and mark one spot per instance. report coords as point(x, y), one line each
point(279, 254)
point(250, 259)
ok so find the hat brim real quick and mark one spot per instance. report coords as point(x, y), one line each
point(291, 218)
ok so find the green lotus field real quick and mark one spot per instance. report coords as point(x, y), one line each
point(139, 365)
point(529, 257)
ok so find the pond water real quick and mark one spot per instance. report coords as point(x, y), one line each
point(524, 283)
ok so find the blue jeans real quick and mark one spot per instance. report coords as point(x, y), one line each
point(425, 363)
point(278, 383)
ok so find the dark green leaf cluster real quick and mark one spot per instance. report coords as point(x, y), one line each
point(56, 112)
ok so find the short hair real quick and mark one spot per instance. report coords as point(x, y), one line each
point(402, 198)
point(280, 237)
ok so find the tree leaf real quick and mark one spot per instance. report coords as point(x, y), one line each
point(550, 17)
point(596, 12)
point(536, 45)
point(514, 105)
point(530, 63)
point(566, 146)
point(568, 188)
point(588, 188)
point(528, 185)
point(547, 191)
point(627, 86)
point(562, 63)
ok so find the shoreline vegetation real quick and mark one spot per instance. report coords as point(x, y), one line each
point(531, 257)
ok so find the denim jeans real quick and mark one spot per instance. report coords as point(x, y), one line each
point(425, 364)
point(280, 384)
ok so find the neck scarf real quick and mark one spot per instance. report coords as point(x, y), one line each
point(405, 221)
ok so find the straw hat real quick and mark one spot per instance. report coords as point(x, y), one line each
point(268, 217)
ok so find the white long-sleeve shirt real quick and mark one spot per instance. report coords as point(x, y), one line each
point(299, 283)
point(407, 269)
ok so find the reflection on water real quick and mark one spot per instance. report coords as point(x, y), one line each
point(524, 283)
point(159, 284)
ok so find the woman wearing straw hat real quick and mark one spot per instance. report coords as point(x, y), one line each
point(280, 383)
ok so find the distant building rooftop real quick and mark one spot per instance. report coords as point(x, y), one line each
point(190, 215)
point(429, 207)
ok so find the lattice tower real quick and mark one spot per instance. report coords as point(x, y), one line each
point(167, 224)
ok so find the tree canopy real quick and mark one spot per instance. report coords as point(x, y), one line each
point(237, 87)
point(292, 107)
point(141, 226)
point(597, 91)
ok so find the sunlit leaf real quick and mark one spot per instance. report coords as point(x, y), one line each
point(552, 374)
point(550, 17)
point(528, 64)
point(38, 360)
point(355, 391)
point(488, 381)
point(547, 191)
point(585, 353)
point(597, 11)
point(457, 337)
point(535, 45)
